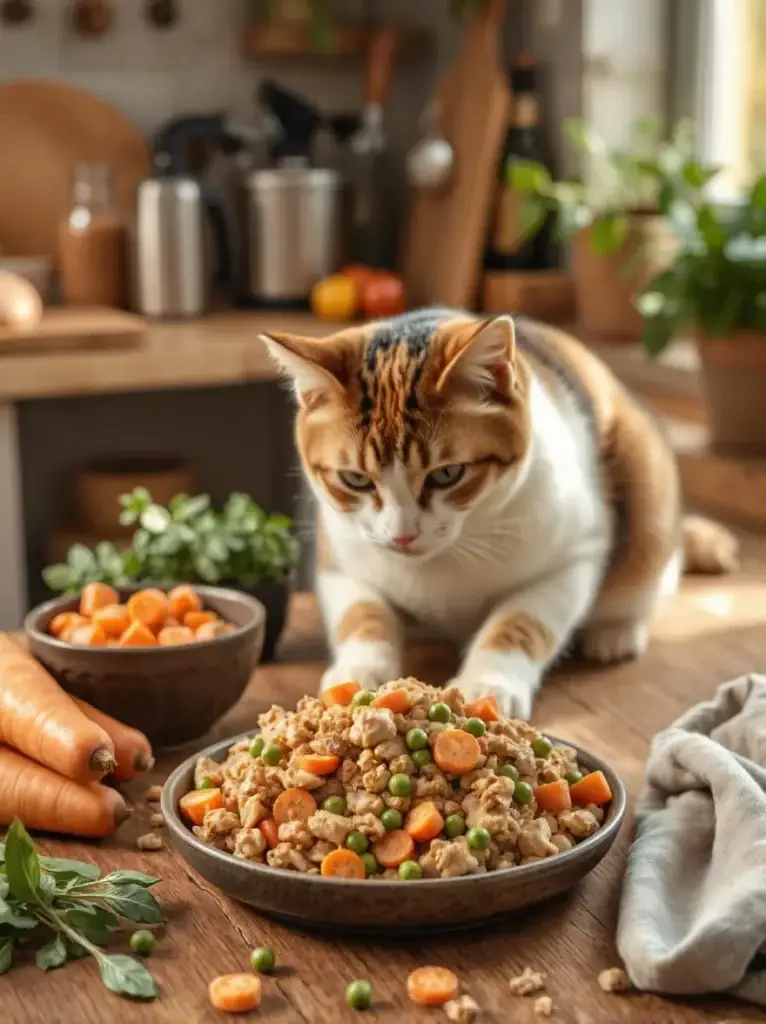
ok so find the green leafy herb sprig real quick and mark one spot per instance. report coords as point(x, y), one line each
point(81, 909)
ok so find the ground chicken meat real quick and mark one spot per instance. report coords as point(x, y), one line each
point(562, 842)
point(207, 768)
point(596, 811)
point(249, 844)
point(425, 787)
point(372, 726)
point(525, 761)
point(301, 779)
point(332, 787)
point(319, 851)
point(332, 827)
point(376, 779)
point(286, 856)
point(614, 979)
point(369, 825)
point(360, 802)
point(449, 859)
point(390, 749)
point(527, 983)
point(402, 765)
point(453, 698)
point(399, 803)
point(349, 774)
point(580, 824)
point(462, 1010)
point(219, 823)
point(297, 834)
point(252, 810)
point(501, 745)
point(535, 839)
point(544, 1006)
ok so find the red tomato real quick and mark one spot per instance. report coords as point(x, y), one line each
point(359, 273)
point(382, 295)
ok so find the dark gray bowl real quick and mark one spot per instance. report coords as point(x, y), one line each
point(172, 694)
point(387, 906)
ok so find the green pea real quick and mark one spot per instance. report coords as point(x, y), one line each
point(370, 864)
point(256, 747)
point(454, 825)
point(541, 746)
point(410, 871)
point(359, 995)
point(391, 819)
point(334, 804)
point(573, 777)
point(420, 758)
point(523, 793)
point(273, 754)
point(357, 842)
point(362, 698)
point(478, 838)
point(263, 960)
point(439, 712)
point(475, 726)
point(416, 739)
point(400, 785)
point(142, 942)
point(510, 771)
point(207, 783)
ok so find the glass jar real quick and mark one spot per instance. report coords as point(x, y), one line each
point(93, 242)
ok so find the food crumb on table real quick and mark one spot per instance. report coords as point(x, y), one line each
point(613, 979)
point(151, 841)
point(544, 1006)
point(157, 820)
point(154, 794)
point(463, 1010)
point(527, 983)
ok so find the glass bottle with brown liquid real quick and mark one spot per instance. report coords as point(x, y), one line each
point(93, 242)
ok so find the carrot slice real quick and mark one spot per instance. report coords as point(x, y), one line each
point(235, 993)
point(138, 635)
point(424, 822)
point(196, 619)
point(184, 599)
point(393, 848)
point(149, 607)
point(66, 622)
point(341, 693)
point(43, 799)
point(212, 630)
point(97, 595)
point(398, 701)
point(113, 619)
point(554, 797)
point(270, 831)
point(91, 635)
point(319, 764)
point(432, 986)
point(485, 708)
point(132, 749)
point(294, 805)
point(593, 789)
point(456, 751)
point(40, 720)
point(343, 864)
point(171, 636)
point(198, 802)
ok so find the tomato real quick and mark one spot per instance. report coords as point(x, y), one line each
point(335, 298)
point(359, 273)
point(383, 295)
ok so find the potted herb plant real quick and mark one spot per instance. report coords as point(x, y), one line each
point(616, 223)
point(239, 546)
point(716, 288)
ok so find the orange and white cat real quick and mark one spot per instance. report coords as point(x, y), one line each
point(492, 480)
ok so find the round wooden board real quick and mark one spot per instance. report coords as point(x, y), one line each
point(46, 128)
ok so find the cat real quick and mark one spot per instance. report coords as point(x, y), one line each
point(491, 479)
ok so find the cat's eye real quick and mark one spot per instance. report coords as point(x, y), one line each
point(445, 476)
point(355, 481)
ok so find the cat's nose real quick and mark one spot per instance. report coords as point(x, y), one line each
point(405, 540)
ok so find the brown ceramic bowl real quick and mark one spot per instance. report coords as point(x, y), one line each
point(387, 906)
point(172, 694)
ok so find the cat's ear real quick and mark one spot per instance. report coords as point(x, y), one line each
point(313, 364)
point(482, 354)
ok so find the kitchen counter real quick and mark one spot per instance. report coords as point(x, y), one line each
point(710, 633)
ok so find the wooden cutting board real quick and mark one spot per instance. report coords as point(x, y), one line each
point(69, 327)
point(47, 127)
point(445, 236)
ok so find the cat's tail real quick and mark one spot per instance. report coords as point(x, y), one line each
point(708, 546)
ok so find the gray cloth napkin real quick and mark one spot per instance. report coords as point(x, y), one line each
point(693, 909)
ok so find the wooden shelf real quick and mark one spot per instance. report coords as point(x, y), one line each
point(279, 39)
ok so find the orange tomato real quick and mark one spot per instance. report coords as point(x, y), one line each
point(335, 298)
point(382, 295)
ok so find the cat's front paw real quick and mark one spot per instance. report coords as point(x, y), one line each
point(370, 671)
point(609, 642)
point(514, 696)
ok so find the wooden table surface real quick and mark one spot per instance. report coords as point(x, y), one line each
point(715, 630)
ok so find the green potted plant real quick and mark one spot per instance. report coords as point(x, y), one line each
point(716, 288)
point(616, 223)
point(238, 546)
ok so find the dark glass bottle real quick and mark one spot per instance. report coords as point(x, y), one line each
point(523, 141)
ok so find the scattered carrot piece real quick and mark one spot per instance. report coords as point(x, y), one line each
point(138, 635)
point(294, 804)
point(195, 804)
point(424, 822)
point(184, 599)
point(149, 607)
point(320, 764)
point(432, 986)
point(91, 635)
point(553, 797)
point(398, 701)
point(171, 636)
point(113, 619)
point(456, 751)
point(343, 864)
point(270, 831)
point(97, 595)
point(593, 789)
point(65, 622)
point(393, 848)
point(196, 619)
point(235, 993)
point(341, 693)
point(485, 708)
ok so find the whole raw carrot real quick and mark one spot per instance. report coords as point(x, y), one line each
point(132, 749)
point(47, 801)
point(39, 719)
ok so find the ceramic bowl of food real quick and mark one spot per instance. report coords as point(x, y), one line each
point(174, 694)
point(381, 905)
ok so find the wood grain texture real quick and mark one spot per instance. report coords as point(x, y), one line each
point(713, 631)
point(87, 327)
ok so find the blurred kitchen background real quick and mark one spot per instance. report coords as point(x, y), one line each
point(177, 175)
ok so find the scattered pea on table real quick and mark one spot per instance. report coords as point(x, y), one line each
point(142, 942)
point(359, 995)
point(262, 959)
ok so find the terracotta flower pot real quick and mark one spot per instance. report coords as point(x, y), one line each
point(605, 285)
point(734, 380)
